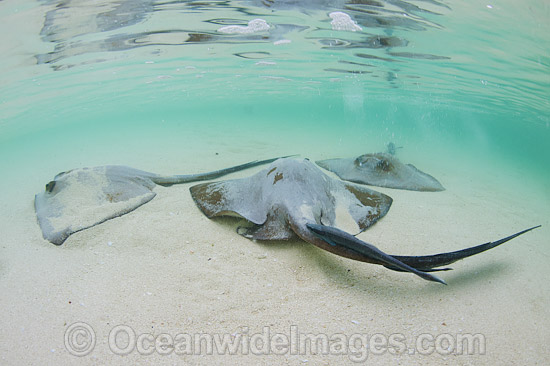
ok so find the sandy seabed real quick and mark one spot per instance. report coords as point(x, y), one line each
point(165, 285)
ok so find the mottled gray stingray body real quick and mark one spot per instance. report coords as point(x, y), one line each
point(81, 198)
point(294, 197)
point(382, 170)
point(283, 198)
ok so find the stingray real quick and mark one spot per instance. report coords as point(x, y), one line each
point(382, 170)
point(295, 198)
point(392, 149)
point(81, 198)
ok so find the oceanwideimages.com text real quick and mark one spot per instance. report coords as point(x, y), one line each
point(80, 340)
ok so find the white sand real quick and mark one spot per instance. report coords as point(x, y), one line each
point(165, 268)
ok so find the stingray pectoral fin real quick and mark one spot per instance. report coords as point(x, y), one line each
point(429, 263)
point(83, 198)
point(337, 237)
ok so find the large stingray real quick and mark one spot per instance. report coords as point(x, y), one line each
point(382, 170)
point(294, 197)
point(81, 198)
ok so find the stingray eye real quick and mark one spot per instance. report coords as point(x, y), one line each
point(50, 186)
point(361, 160)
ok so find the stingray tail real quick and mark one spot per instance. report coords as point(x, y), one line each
point(428, 263)
point(337, 237)
point(177, 179)
point(418, 265)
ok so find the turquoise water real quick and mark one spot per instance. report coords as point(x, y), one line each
point(464, 88)
point(433, 76)
point(458, 85)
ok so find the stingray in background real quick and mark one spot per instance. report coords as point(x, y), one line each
point(382, 170)
point(392, 149)
point(81, 198)
point(294, 197)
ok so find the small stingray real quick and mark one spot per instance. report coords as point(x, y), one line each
point(382, 170)
point(392, 149)
point(294, 197)
point(81, 198)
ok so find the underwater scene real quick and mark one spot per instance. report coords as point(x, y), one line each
point(275, 182)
